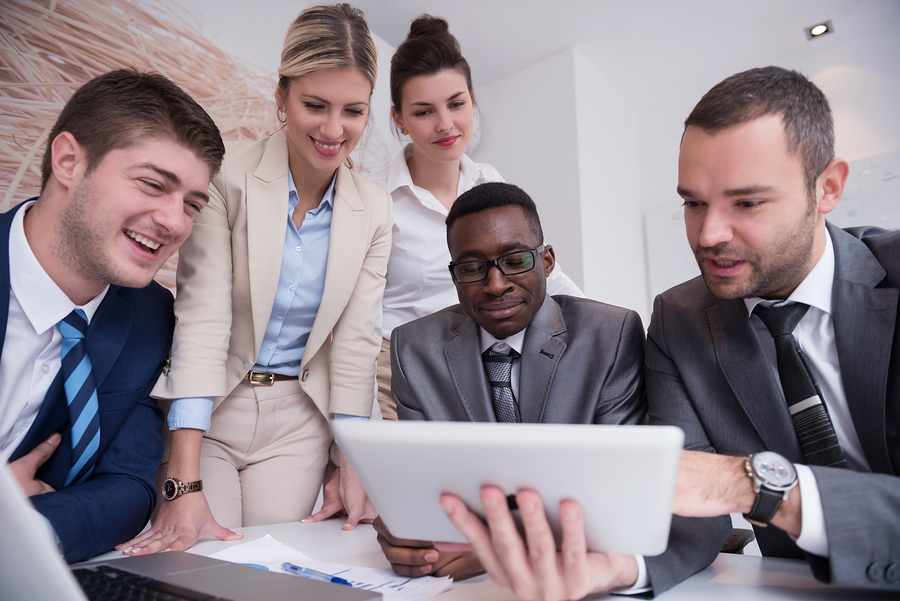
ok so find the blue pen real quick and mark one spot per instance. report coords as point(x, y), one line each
point(312, 574)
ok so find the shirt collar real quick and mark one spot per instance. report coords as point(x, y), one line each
point(42, 301)
point(399, 175)
point(516, 341)
point(294, 198)
point(469, 173)
point(815, 289)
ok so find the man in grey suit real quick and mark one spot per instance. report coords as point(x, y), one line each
point(576, 360)
point(792, 410)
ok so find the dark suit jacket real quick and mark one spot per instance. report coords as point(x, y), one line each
point(581, 364)
point(706, 373)
point(127, 342)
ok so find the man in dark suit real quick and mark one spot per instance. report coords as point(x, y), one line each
point(573, 360)
point(84, 332)
point(805, 391)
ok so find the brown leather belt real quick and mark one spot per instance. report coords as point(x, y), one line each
point(265, 378)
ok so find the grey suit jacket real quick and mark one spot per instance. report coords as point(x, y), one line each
point(581, 364)
point(706, 373)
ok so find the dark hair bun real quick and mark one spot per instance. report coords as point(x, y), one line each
point(426, 25)
point(428, 49)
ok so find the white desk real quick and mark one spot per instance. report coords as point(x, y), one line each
point(731, 577)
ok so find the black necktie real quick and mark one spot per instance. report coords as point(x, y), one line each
point(814, 429)
point(498, 366)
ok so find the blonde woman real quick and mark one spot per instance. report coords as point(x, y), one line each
point(278, 292)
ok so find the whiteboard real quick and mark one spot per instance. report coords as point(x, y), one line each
point(872, 193)
point(871, 197)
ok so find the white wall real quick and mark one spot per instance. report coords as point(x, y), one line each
point(610, 182)
point(537, 149)
point(579, 161)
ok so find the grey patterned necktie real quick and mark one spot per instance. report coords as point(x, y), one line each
point(812, 424)
point(498, 366)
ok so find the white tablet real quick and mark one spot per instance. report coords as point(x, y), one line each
point(623, 476)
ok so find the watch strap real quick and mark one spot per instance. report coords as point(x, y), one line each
point(765, 506)
point(181, 488)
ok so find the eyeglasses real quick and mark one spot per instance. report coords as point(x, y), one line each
point(521, 261)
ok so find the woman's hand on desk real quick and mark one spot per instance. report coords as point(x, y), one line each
point(537, 570)
point(179, 524)
point(344, 494)
point(415, 558)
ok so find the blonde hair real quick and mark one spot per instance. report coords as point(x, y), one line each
point(330, 36)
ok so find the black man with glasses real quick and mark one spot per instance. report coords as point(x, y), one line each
point(508, 351)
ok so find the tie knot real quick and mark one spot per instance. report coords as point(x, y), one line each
point(781, 320)
point(74, 325)
point(507, 352)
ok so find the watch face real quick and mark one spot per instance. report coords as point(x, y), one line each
point(170, 489)
point(774, 470)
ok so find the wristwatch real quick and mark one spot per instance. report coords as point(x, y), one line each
point(172, 488)
point(773, 479)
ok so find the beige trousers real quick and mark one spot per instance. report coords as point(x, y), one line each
point(383, 378)
point(263, 459)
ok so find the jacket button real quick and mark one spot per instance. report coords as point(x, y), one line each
point(875, 572)
point(305, 375)
point(892, 572)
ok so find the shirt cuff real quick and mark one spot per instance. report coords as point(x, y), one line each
point(191, 412)
point(338, 416)
point(642, 584)
point(813, 536)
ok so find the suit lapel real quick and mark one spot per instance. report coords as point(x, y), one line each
point(466, 369)
point(540, 356)
point(266, 227)
point(53, 416)
point(107, 334)
point(864, 324)
point(348, 244)
point(5, 225)
point(743, 363)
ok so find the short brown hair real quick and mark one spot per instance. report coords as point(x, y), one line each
point(428, 49)
point(113, 110)
point(803, 108)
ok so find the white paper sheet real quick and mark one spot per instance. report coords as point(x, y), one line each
point(269, 553)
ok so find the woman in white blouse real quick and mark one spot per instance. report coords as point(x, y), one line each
point(433, 104)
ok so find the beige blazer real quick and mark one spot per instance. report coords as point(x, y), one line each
point(228, 273)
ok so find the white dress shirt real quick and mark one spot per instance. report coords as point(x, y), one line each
point(32, 345)
point(418, 281)
point(815, 335)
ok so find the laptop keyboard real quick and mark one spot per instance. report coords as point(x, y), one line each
point(105, 583)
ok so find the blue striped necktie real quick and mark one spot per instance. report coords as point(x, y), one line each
point(81, 395)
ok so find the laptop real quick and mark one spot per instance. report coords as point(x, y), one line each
point(31, 568)
point(623, 476)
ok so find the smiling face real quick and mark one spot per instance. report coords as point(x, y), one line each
point(325, 115)
point(502, 305)
point(129, 214)
point(438, 114)
point(749, 221)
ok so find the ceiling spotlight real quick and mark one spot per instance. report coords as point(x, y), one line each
point(819, 29)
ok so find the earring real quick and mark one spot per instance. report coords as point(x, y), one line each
point(402, 131)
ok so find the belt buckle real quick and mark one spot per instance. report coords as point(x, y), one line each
point(261, 378)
